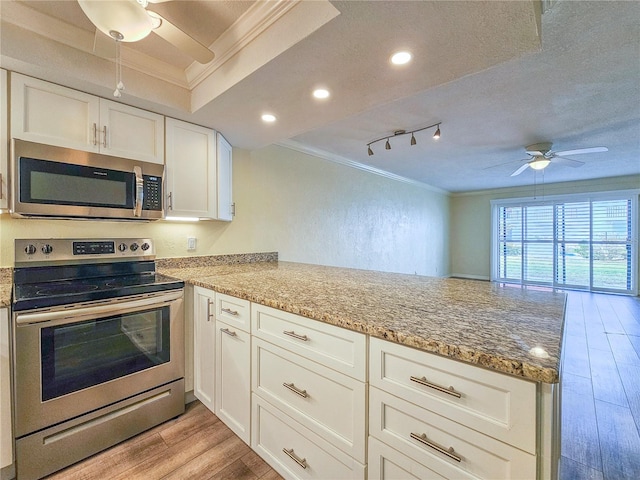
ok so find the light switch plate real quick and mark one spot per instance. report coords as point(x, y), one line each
point(191, 243)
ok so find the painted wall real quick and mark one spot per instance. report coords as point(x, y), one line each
point(306, 208)
point(471, 219)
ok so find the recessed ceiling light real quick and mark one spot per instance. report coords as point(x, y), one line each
point(267, 117)
point(401, 58)
point(321, 93)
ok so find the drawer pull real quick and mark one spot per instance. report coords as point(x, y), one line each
point(230, 312)
point(449, 391)
point(449, 452)
point(293, 334)
point(229, 332)
point(296, 390)
point(295, 458)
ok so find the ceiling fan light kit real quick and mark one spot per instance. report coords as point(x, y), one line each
point(542, 156)
point(397, 133)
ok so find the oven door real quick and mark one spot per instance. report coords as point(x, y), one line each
point(69, 361)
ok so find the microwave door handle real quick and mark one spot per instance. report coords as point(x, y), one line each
point(137, 209)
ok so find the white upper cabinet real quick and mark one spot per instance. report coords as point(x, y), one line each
point(190, 170)
point(226, 206)
point(54, 115)
point(4, 145)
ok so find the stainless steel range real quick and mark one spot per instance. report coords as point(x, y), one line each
point(98, 348)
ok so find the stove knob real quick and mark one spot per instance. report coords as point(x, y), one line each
point(30, 249)
point(145, 246)
point(133, 247)
point(47, 249)
point(122, 247)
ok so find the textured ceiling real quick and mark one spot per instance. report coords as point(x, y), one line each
point(498, 75)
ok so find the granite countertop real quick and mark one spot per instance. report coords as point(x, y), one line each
point(6, 278)
point(509, 329)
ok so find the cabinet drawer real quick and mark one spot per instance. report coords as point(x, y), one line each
point(328, 402)
point(234, 311)
point(338, 348)
point(438, 442)
point(385, 463)
point(309, 457)
point(501, 406)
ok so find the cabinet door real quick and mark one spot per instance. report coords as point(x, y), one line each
point(6, 437)
point(131, 133)
point(233, 379)
point(204, 336)
point(47, 113)
point(225, 188)
point(190, 170)
point(4, 142)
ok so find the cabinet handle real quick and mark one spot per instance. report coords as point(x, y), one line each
point(230, 312)
point(296, 390)
point(302, 462)
point(95, 134)
point(0, 185)
point(209, 314)
point(229, 332)
point(449, 452)
point(170, 200)
point(293, 334)
point(233, 209)
point(104, 136)
point(449, 391)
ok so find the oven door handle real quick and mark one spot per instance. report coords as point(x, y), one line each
point(72, 315)
point(137, 210)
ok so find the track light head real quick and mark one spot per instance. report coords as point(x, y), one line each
point(369, 151)
point(436, 135)
point(387, 146)
point(413, 139)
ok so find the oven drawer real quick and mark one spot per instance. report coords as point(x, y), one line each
point(54, 448)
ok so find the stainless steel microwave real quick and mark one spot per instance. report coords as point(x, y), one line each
point(60, 182)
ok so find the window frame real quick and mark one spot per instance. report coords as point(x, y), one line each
point(553, 200)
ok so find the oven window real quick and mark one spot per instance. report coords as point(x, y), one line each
point(80, 355)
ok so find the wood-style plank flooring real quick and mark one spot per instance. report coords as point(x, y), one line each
point(601, 388)
point(194, 446)
point(600, 413)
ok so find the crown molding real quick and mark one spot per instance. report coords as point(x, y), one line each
point(316, 152)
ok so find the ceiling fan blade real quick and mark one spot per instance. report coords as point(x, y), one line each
point(103, 45)
point(182, 40)
point(580, 151)
point(569, 162)
point(520, 170)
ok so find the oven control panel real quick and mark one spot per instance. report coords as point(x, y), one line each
point(64, 250)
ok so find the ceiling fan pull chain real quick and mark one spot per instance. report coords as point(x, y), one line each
point(119, 85)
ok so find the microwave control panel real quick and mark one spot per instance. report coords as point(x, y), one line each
point(152, 193)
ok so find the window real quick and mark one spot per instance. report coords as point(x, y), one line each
point(578, 242)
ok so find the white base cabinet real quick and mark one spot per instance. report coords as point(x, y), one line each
point(6, 436)
point(47, 113)
point(204, 342)
point(233, 365)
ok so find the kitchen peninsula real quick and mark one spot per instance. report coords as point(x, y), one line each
point(491, 389)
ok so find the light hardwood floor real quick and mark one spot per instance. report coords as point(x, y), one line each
point(601, 388)
point(600, 413)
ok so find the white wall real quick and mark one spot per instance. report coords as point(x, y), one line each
point(471, 219)
point(307, 209)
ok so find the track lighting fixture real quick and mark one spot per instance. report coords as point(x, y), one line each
point(397, 133)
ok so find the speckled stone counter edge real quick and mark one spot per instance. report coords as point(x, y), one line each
point(6, 279)
point(467, 355)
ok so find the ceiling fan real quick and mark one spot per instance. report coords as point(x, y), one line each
point(541, 155)
point(133, 20)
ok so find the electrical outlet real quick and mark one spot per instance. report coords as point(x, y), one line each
point(191, 243)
